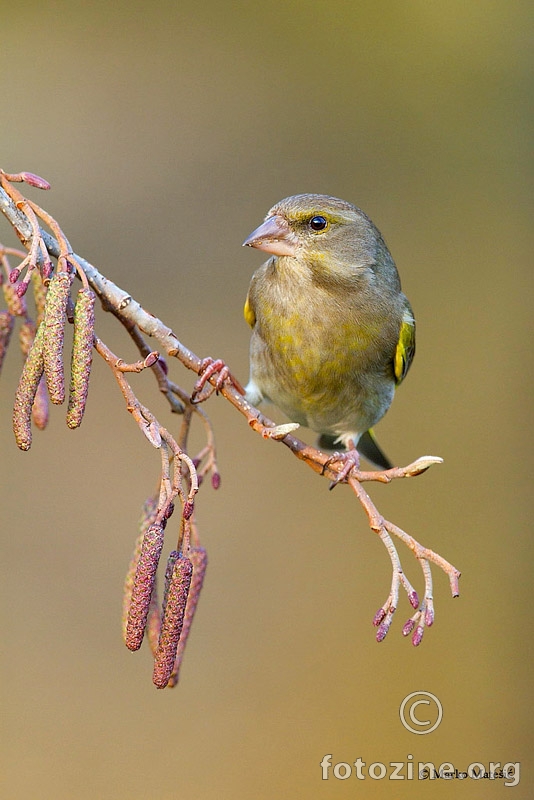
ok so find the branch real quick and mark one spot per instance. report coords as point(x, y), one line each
point(27, 218)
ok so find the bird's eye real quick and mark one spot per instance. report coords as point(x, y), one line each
point(318, 223)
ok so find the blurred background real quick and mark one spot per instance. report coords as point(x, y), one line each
point(167, 130)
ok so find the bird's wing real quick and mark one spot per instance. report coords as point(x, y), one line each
point(405, 349)
point(248, 311)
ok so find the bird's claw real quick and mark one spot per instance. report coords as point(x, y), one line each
point(350, 460)
point(208, 368)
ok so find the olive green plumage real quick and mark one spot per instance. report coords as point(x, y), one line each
point(333, 334)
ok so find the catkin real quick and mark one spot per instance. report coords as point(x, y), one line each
point(40, 402)
point(153, 621)
point(172, 621)
point(40, 406)
point(199, 559)
point(26, 337)
point(54, 324)
point(148, 515)
point(129, 582)
point(143, 584)
point(7, 321)
point(174, 555)
point(26, 391)
point(15, 304)
point(82, 356)
point(39, 294)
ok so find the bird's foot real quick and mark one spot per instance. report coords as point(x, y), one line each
point(208, 368)
point(350, 460)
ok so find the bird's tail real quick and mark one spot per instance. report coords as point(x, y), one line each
point(367, 447)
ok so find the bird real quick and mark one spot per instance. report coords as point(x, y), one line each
point(333, 335)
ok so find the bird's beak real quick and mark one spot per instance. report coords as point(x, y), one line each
point(274, 236)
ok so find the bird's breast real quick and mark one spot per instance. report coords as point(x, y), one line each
point(319, 360)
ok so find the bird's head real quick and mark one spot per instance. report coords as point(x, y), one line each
point(319, 229)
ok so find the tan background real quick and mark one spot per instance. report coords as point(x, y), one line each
point(167, 133)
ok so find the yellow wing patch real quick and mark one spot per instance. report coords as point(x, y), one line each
point(405, 349)
point(249, 313)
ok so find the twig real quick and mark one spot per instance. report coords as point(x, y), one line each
point(425, 614)
point(145, 419)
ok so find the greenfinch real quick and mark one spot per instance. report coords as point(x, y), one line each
point(332, 333)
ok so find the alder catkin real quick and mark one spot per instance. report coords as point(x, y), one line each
point(172, 621)
point(39, 295)
point(15, 304)
point(54, 331)
point(199, 559)
point(153, 622)
point(40, 406)
point(7, 321)
point(143, 584)
point(148, 515)
point(26, 337)
point(174, 555)
point(82, 356)
point(40, 402)
point(26, 390)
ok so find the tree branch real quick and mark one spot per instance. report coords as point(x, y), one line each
point(26, 218)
